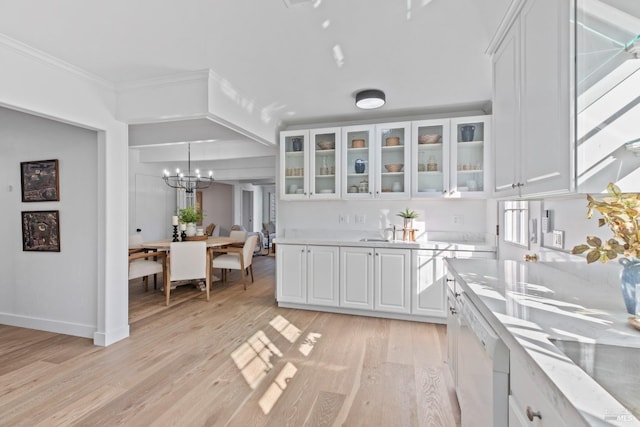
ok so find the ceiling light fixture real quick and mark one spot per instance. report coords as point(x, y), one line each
point(188, 182)
point(370, 99)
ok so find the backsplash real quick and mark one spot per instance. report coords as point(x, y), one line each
point(467, 219)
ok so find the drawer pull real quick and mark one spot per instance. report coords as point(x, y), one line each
point(452, 310)
point(531, 414)
point(450, 280)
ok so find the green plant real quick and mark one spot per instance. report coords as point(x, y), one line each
point(621, 212)
point(408, 214)
point(189, 214)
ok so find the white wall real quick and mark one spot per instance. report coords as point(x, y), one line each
point(217, 207)
point(39, 285)
point(435, 216)
point(34, 82)
point(568, 215)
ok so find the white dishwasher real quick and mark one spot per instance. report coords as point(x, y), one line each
point(483, 370)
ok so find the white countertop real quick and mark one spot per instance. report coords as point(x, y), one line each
point(527, 303)
point(357, 242)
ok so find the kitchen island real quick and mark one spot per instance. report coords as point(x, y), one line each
point(548, 318)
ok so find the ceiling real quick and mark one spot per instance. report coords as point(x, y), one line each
point(297, 63)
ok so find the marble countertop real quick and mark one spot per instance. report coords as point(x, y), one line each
point(421, 244)
point(530, 303)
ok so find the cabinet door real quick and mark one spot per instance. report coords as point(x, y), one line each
point(525, 395)
point(430, 152)
point(357, 162)
point(506, 116)
point(469, 161)
point(292, 273)
point(453, 329)
point(428, 297)
point(322, 275)
point(393, 155)
point(294, 160)
point(545, 97)
point(392, 280)
point(324, 161)
point(356, 278)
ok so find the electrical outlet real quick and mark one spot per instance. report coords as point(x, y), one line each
point(360, 219)
point(343, 219)
point(458, 219)
point(558, 239)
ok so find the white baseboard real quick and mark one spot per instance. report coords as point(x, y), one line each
point(67, 328)
point(104, 339)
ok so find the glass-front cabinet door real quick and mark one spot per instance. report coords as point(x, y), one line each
point(324, 182)
point(469, 159)
point(393, 153)
point(357, 162)
point(430, 154)
point(294, 158)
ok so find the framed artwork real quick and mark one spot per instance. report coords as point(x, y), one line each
point(41, 231)
point(40, 182)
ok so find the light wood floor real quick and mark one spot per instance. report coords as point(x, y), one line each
point(238, 360)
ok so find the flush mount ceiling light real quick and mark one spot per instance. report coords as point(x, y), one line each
point(370, 99)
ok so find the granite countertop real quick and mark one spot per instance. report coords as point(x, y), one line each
point(536, 308)
point(421, 244)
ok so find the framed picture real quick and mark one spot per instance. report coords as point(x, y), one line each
point(41, 231)
point(40, 181)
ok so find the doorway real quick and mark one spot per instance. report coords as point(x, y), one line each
point(247, 209)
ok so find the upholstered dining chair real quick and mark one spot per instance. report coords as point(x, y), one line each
point(140, 265)
point(187, 261)
point(238, 236)
point(237, 259)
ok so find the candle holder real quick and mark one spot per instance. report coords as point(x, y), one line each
point(183, 236)
point(175, 234)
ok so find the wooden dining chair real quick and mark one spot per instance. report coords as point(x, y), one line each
point(237, 259)
point(187, 261)
point(140, 265)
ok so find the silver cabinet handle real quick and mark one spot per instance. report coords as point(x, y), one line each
point(531, 414)
point(452, 310)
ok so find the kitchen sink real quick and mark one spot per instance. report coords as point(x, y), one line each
point(615, 368)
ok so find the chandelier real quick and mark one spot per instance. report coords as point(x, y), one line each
point(188, 182)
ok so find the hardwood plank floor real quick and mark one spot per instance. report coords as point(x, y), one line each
point(237, 360)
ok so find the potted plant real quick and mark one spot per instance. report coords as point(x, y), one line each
point(189, 216)
point(408, 217)
point(621, 212)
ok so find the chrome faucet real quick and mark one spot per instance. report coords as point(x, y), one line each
point(393, 231)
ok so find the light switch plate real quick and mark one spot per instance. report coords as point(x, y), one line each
point(558, 239)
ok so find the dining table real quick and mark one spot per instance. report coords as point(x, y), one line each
point(213, 243)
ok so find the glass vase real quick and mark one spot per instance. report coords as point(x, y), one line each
point(629, 278)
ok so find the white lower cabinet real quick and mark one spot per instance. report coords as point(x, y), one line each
point(527, 405)
point(322, 275)
point(392, 280)
point(428, 298)
point(307, 274)
point(291, 277)
point(375, 279)
point(356, 278)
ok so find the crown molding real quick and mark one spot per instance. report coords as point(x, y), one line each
point(51, 60)
point(505, 24)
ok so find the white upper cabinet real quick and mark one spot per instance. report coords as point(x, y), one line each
point(294, 164)
point(533, 140)
point(450, 157)
point(357, 162)
point(324, 165)
point(309, 164)
point(393, 160)
point(469, 156)
point(430, 153)
point(420, 159)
